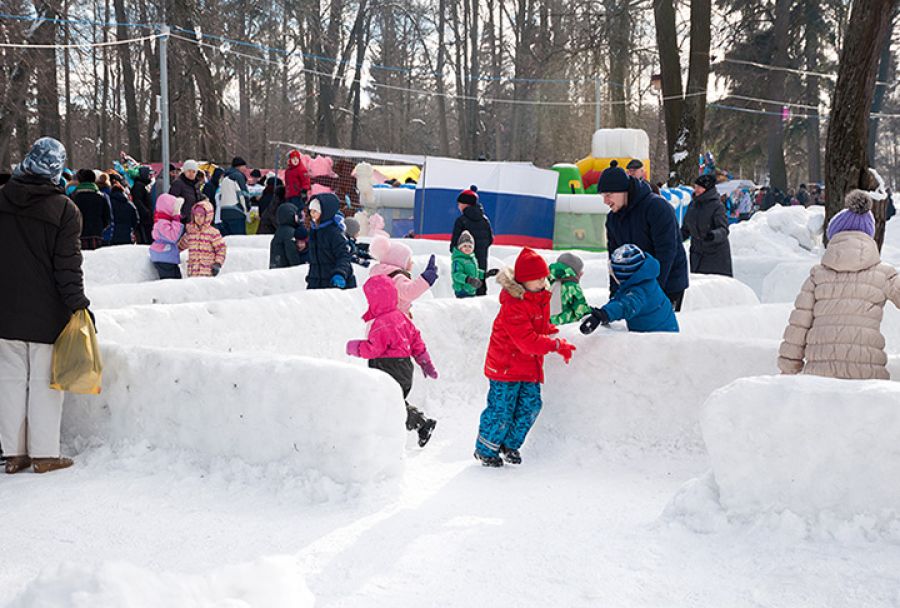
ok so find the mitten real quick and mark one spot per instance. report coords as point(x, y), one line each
point(216, 268)
point(427, 366)
point(338, 281)
point(597, 317)
point(476, 283)
point(491, 273)
point(430, 274)
point(353, 347)
point(565, 350)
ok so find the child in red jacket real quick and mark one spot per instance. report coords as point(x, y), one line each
point(515, 360)
point(296, 180)
point(391, 340)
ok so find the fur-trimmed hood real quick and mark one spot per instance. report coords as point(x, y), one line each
point(506, 279)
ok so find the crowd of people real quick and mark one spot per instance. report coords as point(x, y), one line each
point(46, 230)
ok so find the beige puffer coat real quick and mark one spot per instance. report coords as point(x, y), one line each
point(836, 323)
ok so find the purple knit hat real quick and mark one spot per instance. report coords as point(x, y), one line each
point(857, 215)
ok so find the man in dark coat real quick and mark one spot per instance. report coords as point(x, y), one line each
point(706, 224)
point(41, 286)
point(329, 252)
point(94, 208)
point(474, 220)
point(140, 194)
point(187, 186)
point(125, 215)
point(640, 217)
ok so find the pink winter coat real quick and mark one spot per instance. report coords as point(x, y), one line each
point(835, 328)
point(391, 334)
point(167, 229)
point(394, 258)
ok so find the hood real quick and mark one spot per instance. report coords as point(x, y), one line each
point(381, 295)
point(330, 205)
point(390, 252)
point(507, 280)
point(233, 173)
point(474, 212)
point(210, 213)
point(287, 215)
point(709, 196)
point(165, 206)
point(640, 192)
point(649, 271)
point(26, 193)
point(457, 254)
point(376, 222)
point(559, 271)
point(851, 251)
point(143, 175)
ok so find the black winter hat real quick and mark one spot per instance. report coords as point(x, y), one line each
point(256, 173)
point(237, 161)
point(613, 179)
point(634, 164)
point(86, 176)
point(468, 197)
point(707, 182)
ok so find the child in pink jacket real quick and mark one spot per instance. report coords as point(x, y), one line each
point(167, 230)
point(391, 341)
point(395, 262)
point(205, 245)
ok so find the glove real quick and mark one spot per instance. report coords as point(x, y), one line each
point(427, 366)
point(565, 350)
point(491, 273)
point(353, 347)
point(93, 320)
point(709, 237)
point(216, 269)
point(594, 320)
point(430, 274)
point(338, 281)
point(476, 283)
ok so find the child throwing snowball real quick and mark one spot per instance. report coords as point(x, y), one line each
point(520, 339)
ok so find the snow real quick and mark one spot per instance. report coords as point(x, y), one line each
point(809, 453)
point(301, 485)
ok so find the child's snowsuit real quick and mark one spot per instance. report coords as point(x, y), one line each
point(642, 302)
point(567, 303)
point(329, 253)
point(167, 230)
point(464, 266)
point(205, 244)
point(515, 366)
point(283, 248)
point(391, 341)
point(296, 178)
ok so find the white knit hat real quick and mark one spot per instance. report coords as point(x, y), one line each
point(190, 165)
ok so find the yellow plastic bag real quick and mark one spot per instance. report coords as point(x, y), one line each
point(76, 364)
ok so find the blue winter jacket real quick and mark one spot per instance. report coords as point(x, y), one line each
point(641, 301)
point(649, 222)
point(329, 251)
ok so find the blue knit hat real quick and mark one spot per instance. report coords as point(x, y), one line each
point(625, 261)
point(47, 158)
point(613, 179)
point(857, 216)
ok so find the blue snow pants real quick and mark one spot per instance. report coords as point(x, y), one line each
point(512, 408)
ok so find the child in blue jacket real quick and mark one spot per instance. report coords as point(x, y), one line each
point(639, 299)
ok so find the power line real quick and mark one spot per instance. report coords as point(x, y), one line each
point(778, 68)
point(80, 45)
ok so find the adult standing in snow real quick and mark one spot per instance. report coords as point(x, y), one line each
point(473, 219)
point(706, 224)
point(234, 199)
point(94, 208)
point(140, 194)
point(642, 218)
point(40, 229)
point(125, 214)
point(187, 186)
point(834, 330)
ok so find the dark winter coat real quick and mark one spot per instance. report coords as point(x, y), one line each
point(329, 254)
point(212, 186)
point(769, 200)
point(706, 224)
point(641, 301)
point(140, 194)
point(125, 218)
point(476, 222)
point(190, 192)
point(94, 207)
point(649, 222)
point(283, 249)
point(41, 283)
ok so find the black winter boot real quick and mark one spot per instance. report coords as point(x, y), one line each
point(511, 456)
point(425, 431)
point(488, 461)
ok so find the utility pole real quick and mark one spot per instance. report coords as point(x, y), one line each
point(164, 102)
point(598, 92)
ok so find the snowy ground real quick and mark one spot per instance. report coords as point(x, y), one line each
point(238, 458)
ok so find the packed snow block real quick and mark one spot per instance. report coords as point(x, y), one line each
point(805, 444)
point(762, 322)
point(641, 390)
point(784, 282)
point(308, 415)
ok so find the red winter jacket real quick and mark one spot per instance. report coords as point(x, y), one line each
point(296, 180)
point(519, 339)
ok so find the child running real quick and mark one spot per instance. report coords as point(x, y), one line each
point(639, 300)
point(395, 262)
point(391, 341)
point(567, 303)
point(205, 245)
point(515, 360)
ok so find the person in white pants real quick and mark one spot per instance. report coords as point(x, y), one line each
point(41, 286)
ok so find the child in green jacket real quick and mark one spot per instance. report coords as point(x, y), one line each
point(567, 303)
point(467, 277)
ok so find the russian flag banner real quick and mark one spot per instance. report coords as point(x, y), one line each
point(518, 198)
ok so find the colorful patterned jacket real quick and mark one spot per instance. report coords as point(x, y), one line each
point(205, 245)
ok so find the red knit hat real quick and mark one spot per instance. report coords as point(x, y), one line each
point(295, 154)
point(530, 266)
point(468, 197)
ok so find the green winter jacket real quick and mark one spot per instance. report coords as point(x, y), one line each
point(462, 267)
point(567, 301)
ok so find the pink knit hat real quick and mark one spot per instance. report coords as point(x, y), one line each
point(390, 252)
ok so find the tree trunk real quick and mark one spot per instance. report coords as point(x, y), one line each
point(439, 80)
point(693, 116)
point(67, 132)
point(775, 90)
point(846, 158)
point(811, 55)
point(132, 118)
point(670, 69)
point(474, 81)
point(47, 88)
point(885, 73)
point(618, 27)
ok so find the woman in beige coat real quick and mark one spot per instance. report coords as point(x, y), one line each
point(835, 328)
